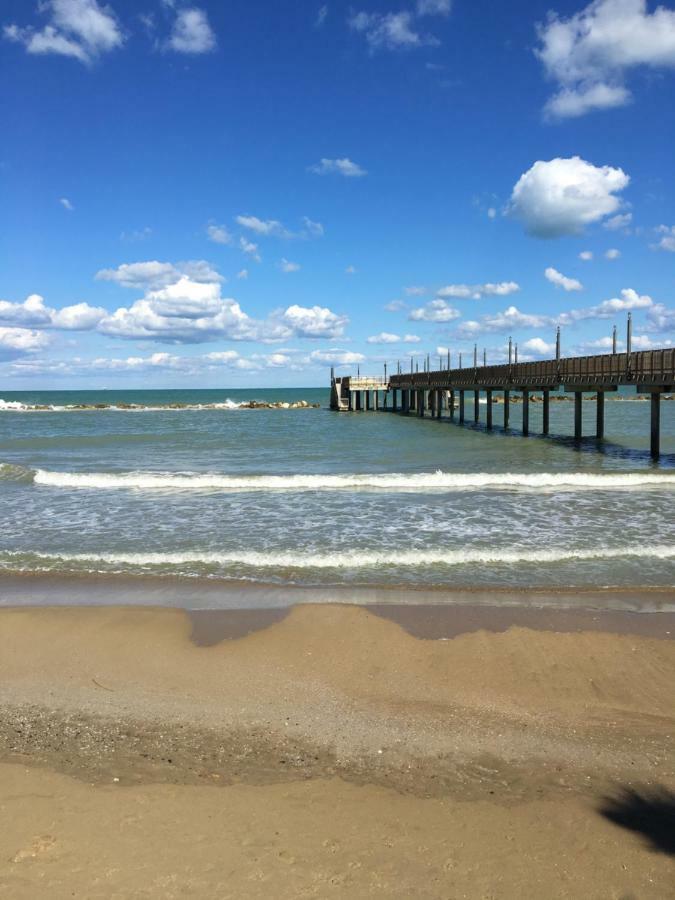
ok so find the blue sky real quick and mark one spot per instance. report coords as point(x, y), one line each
point(242, 194)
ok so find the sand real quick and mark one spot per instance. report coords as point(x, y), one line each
point(332, 753)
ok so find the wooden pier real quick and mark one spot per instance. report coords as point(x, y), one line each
point(650, 372)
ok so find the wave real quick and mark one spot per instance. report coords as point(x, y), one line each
point(18, 406)
point(388, 482)
point(351, 559)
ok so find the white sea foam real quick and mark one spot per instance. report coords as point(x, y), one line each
point(388, 482)
point(18, 406)
point(350, 559)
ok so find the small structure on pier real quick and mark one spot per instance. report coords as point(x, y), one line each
point(650, 372)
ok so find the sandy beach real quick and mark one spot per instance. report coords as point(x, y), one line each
point(332, 751)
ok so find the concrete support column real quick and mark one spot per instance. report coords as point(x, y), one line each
point(376, 398)
point(420, 403)
point(476, 407)
point(488, 410)
point(352, 401)
point(368, 402)
point(507, 397)
point(406, 401)
point(600, 416)
point(452, 406)
point(578, 423)
point(545, 411)
point(439, 403)
point(655, 425)
point(526, 413)
point(432, 402)
point(461, 407)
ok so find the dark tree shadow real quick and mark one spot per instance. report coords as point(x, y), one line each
point(646, 811)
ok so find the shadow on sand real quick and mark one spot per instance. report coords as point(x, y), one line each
point(646, 811)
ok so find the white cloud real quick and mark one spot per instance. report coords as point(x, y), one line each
point(249, 248)
point(191, 32)
point(433, 7)
point(265, 228)
point(586, 255)
point(415, 291)
point(395, 306)
point(539, 347)
point(140, 234)
point(66, 204)
point(619, 222)
point(286, 266)
point(336, 357)
point(15, 342)
point(644, 342)
point(218, 234)
point(667, 241)
point(660, 318)
point(613, 253)
point(313, 229)
point(242, 274)
point(562, 196)
point(321, 17)
point(350, 270)
point(384, 337)
point(411, 339)
point(33, 313)
point(508, 320)
point(476, 291)
point(154, 274)
point(392, 31)
point(81, 29)
point(590, 53)
point(312, 322)
point(434, 311)
point(629, 300)
point(560, 280)
point(343, 166)
point(492, 212)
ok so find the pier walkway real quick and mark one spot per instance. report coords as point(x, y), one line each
point(650, 372)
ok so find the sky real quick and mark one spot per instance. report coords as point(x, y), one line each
point(246, 194)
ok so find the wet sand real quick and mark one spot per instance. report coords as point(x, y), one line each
point(334, 752)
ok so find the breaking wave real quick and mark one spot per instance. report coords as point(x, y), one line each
point(351, 559)
point(387, 482)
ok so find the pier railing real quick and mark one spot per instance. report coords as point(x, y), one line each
point(648, 367)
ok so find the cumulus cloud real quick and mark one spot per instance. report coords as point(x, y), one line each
point(667, 239)
point(476, 291)
point(218, 234)
point(312, 229)
point(415, 290)
point(33, 313)
point(336, 357)
point(250, 248)
point(81, 29)
point(391, 31)
point(590, 53)
point(386, 337)
point(66, 204)
point(561, 196)
point(539, 347)
point(395, 306)
point(16, 342)
point(560, 280)
point(154, 274)
point(508, 320)
point(191, 32)
point(433, 7)
point(435, 311)
point(287, 266)
point(344, 167)
point(242, 274)
point(613, 253)
point(586, 255)
point(660, 318)
point(264, 227)
point(628, 300)
point(619, 222)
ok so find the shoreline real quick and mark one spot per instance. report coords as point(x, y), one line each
point(199, 593)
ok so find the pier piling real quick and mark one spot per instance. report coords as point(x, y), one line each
point(526, 413)
point(545, 412)
point(506, 409)
point(600, 416)
point(488, 410)
point(461, 407)
point(578, 424)
point(655, 424)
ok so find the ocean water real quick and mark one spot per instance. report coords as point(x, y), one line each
point(313, 497)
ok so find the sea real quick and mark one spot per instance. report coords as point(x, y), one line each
point(191, 484)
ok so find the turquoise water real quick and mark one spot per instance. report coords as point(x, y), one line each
point(313, 497)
